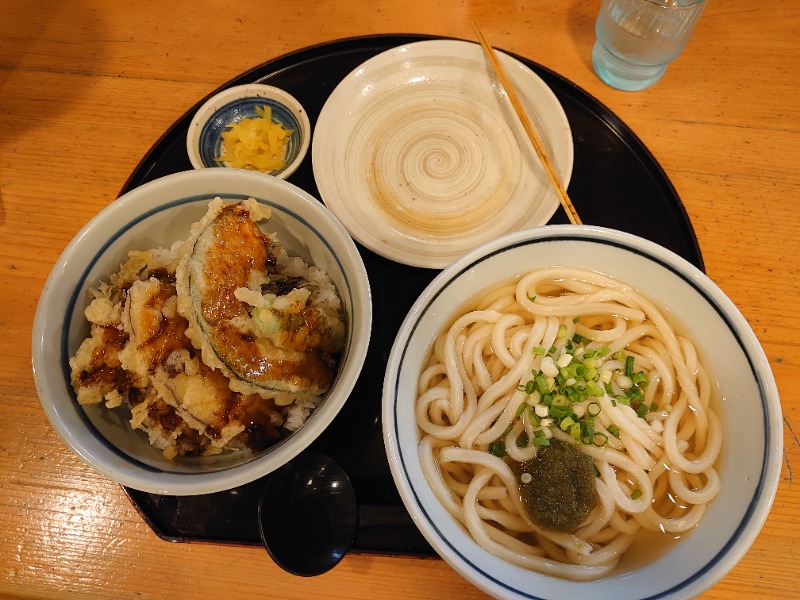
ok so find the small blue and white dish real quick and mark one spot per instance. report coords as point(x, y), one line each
point(204, 138)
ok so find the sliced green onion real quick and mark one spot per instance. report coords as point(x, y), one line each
point(636, 494)
point(575, 394)
point(629, 366)
point(587, 431)
point(498, 448)
point(635, 393)
point(594, 389)
point(577, 382)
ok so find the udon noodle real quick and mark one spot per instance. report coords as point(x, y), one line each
point(571, 355)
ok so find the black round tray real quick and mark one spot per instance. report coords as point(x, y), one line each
point(616, 182)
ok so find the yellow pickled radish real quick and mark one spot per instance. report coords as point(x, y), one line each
point(257, 144)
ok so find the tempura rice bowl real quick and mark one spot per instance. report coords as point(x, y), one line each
point(155, 215)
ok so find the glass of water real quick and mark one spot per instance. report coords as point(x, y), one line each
point(637, 39)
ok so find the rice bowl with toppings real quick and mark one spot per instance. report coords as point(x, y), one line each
point(220, 342)
point(149, 221)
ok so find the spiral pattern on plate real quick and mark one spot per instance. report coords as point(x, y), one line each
point(433, 169)
point(420, 155)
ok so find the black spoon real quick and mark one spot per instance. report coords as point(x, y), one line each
point(308, 515)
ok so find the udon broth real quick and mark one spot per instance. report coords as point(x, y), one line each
point(624, 386)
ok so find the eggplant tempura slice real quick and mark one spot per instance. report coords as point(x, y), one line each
point(265, 344)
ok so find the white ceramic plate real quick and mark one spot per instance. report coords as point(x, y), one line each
point(419, 152)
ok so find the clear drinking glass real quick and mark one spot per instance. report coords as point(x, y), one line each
point(637, 39)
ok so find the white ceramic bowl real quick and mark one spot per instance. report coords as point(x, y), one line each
point(750, 461)
point(157, 214)
point(204, 137)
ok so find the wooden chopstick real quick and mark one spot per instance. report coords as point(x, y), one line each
point(563, 197)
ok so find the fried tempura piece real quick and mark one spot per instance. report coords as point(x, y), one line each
point(224, 259)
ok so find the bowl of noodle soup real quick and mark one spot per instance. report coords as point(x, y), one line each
point(574, 410)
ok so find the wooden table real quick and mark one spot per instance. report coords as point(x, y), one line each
point(87, 87)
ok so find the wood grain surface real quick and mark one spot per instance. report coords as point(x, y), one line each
point(88, 86)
